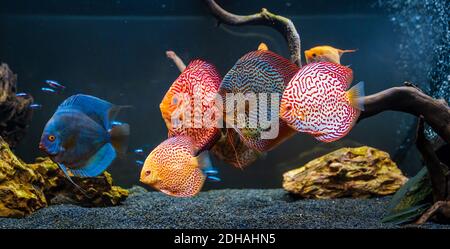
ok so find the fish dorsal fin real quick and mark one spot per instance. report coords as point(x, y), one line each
point(97, 109)
point(98, 163)
point(343, 51)
point(262, 46)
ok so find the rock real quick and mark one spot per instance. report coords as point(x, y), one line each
point(348, 172)
point(25, 188)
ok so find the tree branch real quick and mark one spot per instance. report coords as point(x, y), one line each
point(265, 18)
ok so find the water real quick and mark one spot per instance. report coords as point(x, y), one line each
point(116, 50)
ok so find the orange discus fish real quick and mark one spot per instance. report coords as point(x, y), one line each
point(316, 101)
point(325, 53)
point(174, 169)
point(191, 96)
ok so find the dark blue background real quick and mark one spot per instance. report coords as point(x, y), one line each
point(116, 51)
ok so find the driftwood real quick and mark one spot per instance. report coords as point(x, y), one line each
point(406, 98)
point(15, 114)
point(265, 18)
point(440, 180)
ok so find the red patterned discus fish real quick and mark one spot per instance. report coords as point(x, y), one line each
point(200, 80)
point(316, 101)
point(173, 168)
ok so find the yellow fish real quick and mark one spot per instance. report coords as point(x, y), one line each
point(325, 54)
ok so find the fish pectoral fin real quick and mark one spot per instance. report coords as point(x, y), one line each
point(98, 163)
point(252, 133)
point(66, 173)
point(355, 96)
point(317, 133)
point(119, 137)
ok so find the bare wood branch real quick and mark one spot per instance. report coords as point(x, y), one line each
point(178, 62)
point(409, 99)
point(432, 211)
point(282, 24)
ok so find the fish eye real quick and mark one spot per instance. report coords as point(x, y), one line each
point(147, 173)
point(289, 107)
point(314, 55)
point(51, 138)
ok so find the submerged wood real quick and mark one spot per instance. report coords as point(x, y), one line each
point(15, 114)
point(282, 24)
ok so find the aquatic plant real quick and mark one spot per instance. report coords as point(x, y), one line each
point(407, 98)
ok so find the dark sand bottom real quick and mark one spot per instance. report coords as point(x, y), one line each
point(247, 208)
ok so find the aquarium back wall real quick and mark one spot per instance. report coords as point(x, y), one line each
point(116, 50)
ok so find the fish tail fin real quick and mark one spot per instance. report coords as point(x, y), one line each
point(262, 46)
point(115, 109)
point(207, 168)
point(230, 140)
point(64, 170)
point(343, 51)
point(119, 137)
point(355, 96)
point(98, 163)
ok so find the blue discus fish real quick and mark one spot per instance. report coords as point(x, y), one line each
point(80, 135)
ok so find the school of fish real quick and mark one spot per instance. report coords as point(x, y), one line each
point(84, 138)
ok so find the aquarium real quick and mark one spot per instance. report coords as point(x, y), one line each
point(100, 99)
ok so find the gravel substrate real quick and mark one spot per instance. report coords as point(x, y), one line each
point(247, 208)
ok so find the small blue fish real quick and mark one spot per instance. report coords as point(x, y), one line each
point(81, 138)
point(36, 106)
point(211, 171)
point(214, 178)
point(21, 94)
point(116, 123)
point(49, 90)
point(139, 151)
point(139, 162)
point(54, 84)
